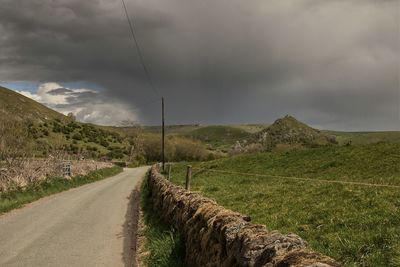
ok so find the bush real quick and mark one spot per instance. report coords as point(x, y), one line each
point(189, 150)
point(120, 163)
point(77, 136)
point(104, 143)
point(152, 148)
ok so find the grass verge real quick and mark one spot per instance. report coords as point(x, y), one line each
point(17, 198)
point(163, 243)
point(357, 225)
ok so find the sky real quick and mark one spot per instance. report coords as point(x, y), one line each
point(332, 64)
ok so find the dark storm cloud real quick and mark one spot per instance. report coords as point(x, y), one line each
point(334, 64)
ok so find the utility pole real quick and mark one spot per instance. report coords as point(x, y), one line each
point(163, 136)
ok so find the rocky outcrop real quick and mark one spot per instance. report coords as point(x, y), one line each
point(290, 131)
point(215, 236)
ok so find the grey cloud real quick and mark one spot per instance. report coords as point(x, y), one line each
point(60, 91)
point(334, 64)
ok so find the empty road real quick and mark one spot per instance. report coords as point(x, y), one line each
point(90, 225)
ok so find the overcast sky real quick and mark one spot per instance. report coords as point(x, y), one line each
point(333, 64)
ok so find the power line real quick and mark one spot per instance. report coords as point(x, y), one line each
point(151, 83)
point(132, 28)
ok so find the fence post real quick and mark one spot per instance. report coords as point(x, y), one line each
point(169, 171)
point(188, 177)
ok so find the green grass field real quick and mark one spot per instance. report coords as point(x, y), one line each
point(356, 224)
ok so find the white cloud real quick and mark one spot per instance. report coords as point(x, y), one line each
point(86, 104)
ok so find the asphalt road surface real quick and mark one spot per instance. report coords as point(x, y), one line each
point(91, 225)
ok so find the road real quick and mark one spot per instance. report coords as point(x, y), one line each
point(90, 225)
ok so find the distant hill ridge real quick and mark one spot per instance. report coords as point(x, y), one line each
point(288, 130)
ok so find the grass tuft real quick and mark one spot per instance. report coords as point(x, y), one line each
point(163, 242)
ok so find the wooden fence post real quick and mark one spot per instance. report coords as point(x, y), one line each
point(188, 177)
point(169, 171)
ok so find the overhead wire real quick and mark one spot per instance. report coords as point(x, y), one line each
point(139, 51)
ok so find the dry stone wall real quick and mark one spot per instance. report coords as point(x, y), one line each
point(215, 236)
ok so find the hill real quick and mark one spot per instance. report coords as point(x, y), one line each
point(17, 106)
point(218, 136)
point(290, 131)
point(172, 129)
point(48, 133)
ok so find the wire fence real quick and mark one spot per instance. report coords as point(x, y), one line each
point(201, 170)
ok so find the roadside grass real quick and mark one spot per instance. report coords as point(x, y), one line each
point(357, 225)
point(21, 196)
point(163, 243)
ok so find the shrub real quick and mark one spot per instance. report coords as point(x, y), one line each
point(77, 136)
point(189, 150)
point(104, 143)
point(152, 148)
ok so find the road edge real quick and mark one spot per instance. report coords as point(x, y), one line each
point(131, 226)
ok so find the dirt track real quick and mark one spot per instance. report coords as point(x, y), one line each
point(91, 225)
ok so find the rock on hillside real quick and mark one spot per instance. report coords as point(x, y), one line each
point(290, 131)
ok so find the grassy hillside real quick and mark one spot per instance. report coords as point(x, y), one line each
point(172, 129)
point(50, 133)
point(15, 105)
point(79, 139)
point(251, 128)
point(359, 138)
point(218, 136)
point(284, 134)
point(356, 224)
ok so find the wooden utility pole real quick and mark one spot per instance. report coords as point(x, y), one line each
point(163, 136)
